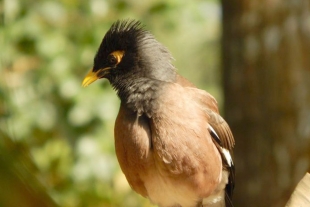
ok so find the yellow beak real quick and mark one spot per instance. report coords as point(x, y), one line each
point(89, 78)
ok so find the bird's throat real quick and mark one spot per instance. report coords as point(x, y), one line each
point(140, 95)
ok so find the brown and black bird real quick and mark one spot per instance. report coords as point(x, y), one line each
point(171, 143)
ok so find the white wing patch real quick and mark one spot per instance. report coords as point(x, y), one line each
point(212, 131)
point(227, 156)
point(225, 152)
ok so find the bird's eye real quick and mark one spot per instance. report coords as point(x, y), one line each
point(115, 57)
point(112, 59)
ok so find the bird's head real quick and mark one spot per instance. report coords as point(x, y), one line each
point(128, 52)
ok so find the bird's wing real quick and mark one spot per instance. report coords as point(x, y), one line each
point(221, 135)
point(225, 148)
point(220, 130)
point(209, 104)
point(182, 143)
point(206, 99)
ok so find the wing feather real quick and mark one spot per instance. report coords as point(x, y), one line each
point(219, 130)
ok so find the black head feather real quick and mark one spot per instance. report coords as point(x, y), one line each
point(144, 67)
point(144, 56)
point(122, 35)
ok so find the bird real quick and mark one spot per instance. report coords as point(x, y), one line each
point(171, 143)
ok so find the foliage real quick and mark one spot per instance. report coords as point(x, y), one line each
point(67, 131)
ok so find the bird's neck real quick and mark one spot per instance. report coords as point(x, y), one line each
point(139, 95)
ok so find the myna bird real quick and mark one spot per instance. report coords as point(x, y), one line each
point(171, 143)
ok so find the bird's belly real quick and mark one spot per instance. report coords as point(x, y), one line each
point(147, 179)
point(165, 192)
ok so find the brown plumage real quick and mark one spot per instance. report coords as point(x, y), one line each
point(171, 143)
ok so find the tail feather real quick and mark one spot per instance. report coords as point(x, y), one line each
point(228, 201)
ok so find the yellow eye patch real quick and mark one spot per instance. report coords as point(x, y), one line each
point(118, 55)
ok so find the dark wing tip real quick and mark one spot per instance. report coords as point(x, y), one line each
point(228, 201)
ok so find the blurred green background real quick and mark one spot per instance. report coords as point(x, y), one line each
point(57, 146)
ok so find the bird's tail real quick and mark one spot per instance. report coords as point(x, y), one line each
point(228, 201)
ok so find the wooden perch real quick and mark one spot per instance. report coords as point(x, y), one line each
point(301, 195)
